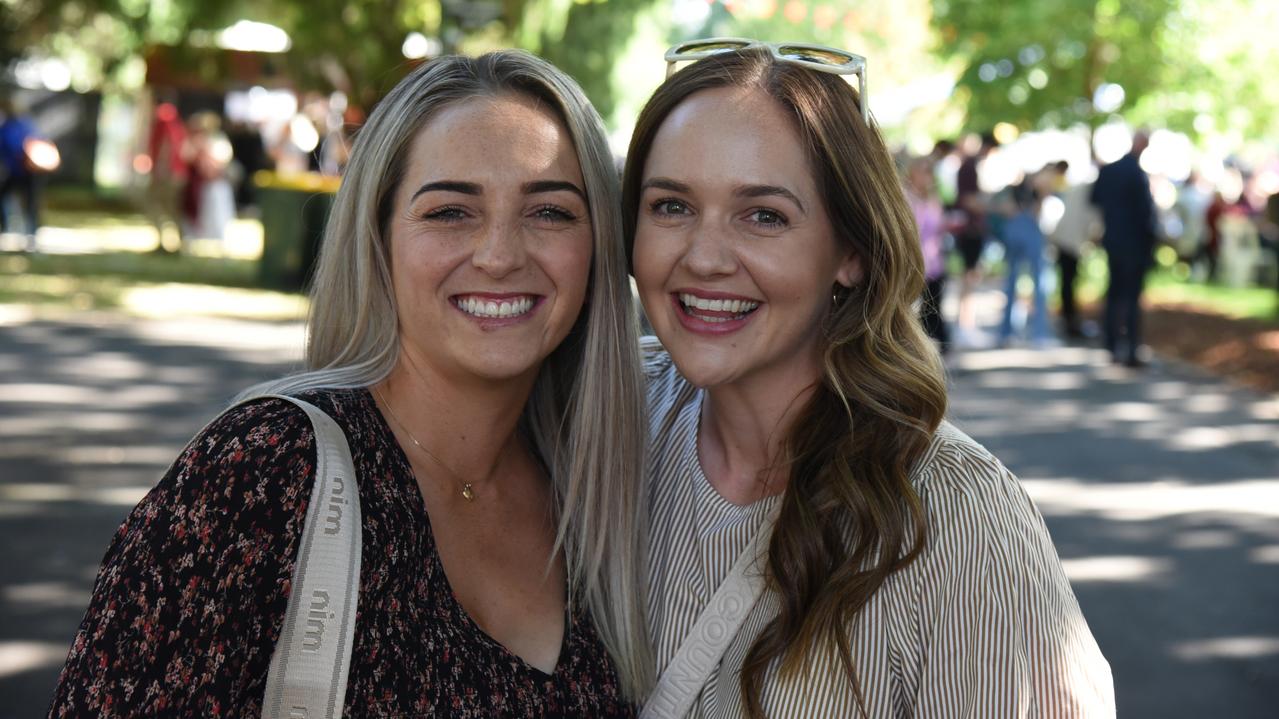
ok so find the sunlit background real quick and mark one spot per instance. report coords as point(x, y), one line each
point(120, 335)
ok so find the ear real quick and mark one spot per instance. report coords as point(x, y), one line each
point(849, 273)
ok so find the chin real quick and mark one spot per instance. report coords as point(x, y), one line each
point(502, 366)
point(701, 371)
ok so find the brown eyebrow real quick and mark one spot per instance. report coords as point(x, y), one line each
point(471, 188)
point(666, 183)
point(769, 191)
point(532, 188)
point(466, 188)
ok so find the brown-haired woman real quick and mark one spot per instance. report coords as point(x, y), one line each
point(907, 573)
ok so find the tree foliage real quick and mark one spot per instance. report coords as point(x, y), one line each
point(1038, 64)
point(583, 38)
point(99, 36)
point(1198, 66)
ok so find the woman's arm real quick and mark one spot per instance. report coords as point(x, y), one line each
point(1001, 632)
point(191, 594)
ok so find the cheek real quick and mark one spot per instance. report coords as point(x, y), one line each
point(650, 260)
point(572, 262)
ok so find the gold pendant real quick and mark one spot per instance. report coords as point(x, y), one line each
point(468, 492)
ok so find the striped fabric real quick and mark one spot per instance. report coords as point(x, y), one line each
point(983, 624)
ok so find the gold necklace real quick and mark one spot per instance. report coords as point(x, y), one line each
point(468, 488)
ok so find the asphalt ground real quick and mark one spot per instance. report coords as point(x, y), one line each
point(1160, 487)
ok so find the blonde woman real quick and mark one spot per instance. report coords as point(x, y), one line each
point(823, 543)
point(469, 312)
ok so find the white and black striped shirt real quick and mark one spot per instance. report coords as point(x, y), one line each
point(982, 624)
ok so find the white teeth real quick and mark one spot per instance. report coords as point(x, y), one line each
point(737, 307)
point(492, 308)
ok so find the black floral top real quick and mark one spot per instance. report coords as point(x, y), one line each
point(192, 593)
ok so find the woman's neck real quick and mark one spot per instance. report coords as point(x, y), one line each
point(466, 427)
point(742, 431)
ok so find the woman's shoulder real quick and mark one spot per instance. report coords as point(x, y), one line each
point(260, 447)
point(262, 421)
point(959, 480)
point(956, 462)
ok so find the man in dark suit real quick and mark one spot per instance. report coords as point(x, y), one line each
point(1122, 193)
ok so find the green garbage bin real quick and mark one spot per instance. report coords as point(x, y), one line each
point(294, 211)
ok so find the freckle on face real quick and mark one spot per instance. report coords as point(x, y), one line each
point(500, 245)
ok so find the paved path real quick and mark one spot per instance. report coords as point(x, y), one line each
point(1161, 490)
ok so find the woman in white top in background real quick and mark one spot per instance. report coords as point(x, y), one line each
point(908, 574)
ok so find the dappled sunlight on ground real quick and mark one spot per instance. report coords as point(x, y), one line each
point(1142, 501)
point(1161, 491)
point(243, 240)
point(183, 300)
point(20, 657)
point(1116, 569)
point(93, 408)
point(1227, 648)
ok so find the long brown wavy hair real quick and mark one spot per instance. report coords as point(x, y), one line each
point(850, 516)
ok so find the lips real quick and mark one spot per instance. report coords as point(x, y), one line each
point(716, 309)
point(713, 313)
point(495, 307)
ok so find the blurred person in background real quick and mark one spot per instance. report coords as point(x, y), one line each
point(210, 155)
point(1191, 209)
point(21, 183)
point(945, 166)
point(1071, 233)
point(1210, 251)
point(1024, 252)
point(971, 236)
point(1268, 232)
point(921, 193)
point(168, 172)
point(1130, 229)
point(248, 157)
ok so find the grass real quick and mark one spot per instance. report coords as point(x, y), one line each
point(138, 267)
point(76, 289)
point(1242, 302)
point(1169, 284)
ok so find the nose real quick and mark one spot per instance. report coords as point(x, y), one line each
point(499, 250)
point(709, 252)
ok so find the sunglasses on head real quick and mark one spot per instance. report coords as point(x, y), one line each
point(819, 58)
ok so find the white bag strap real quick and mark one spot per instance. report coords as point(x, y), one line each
point(312, 657)
point(700, 652)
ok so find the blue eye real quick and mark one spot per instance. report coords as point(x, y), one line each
point(668, 206)
point(768, 218)
point(554, 213)
point(445, 214)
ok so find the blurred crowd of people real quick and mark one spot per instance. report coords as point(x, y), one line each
point(1042, 220)
point(199, 175)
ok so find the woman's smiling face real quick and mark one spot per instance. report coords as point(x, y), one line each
point(735, 256)
point(490, 239)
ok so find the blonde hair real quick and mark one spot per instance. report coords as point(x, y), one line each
point(585, 414)
point(850, 516)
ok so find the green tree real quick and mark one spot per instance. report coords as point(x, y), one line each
point(100, 36)
point(586, 39)
point(1218, 83)
point(1041, 64)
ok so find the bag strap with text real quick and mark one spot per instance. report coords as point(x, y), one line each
point(312, 657)
point(700, 652)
